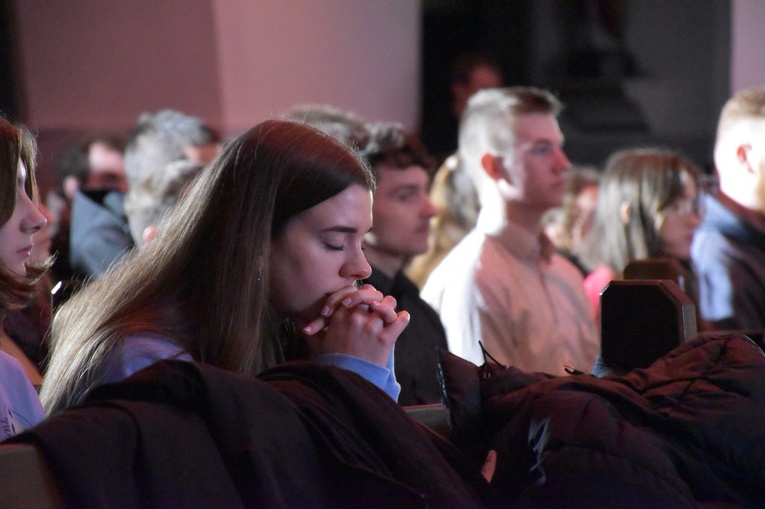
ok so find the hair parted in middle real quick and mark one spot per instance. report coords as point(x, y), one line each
point(203, 281)
point(646, 180)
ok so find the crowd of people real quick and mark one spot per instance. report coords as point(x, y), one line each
point(321, 236)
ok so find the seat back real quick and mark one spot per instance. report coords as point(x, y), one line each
point(641, 320)
point(27, 480)
point(658, 268)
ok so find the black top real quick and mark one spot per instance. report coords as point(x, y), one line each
point(415, 358)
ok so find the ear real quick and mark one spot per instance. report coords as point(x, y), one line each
point(743, 155)
point(624, 212)
point(493, 167)
point(148, 234)
point(70, 186)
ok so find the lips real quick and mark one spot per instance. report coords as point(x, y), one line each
point(425, 228)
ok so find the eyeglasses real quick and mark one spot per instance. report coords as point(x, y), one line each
point(684, 206)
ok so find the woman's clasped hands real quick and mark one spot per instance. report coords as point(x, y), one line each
point(359, 322)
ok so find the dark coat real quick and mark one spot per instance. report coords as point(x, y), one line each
point(99, 232)
point(685, 431)
point(415, 355)
point(180, 434)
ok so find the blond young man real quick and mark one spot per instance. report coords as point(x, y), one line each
point(728, 249)
point(503, 284)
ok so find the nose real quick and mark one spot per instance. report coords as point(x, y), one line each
point(694, 219)
point(562, 162)
point(33, 219)
point(356, 266)
point(428, 209)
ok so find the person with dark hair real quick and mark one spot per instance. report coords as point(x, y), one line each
point(729, 247)
point(648, 207)
point(568, 225)
point(264, 250)
point(107, 224)
point(20, 219)
point(402, 211)
point(469, 72)
point(503, 289)
point(96, 161)
point(89, 167)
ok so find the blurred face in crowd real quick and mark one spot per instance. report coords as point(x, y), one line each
point(402, 212)
point(482, 76)
point(107, 168)
point(678, 222)
point(202, 154)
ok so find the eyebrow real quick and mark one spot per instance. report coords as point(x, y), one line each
point(407, 187)
point(547, 141)
point(342, 229)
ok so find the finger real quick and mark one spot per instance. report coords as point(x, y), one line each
point(392, 331)
point(315, 326)
point(335, 300)
point(385, 311)
point(362, 297)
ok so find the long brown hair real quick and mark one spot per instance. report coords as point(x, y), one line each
point(203, 282)
point(16, 144)
point(647, 180)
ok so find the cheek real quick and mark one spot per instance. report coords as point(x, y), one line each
point(296, 285)
point(674, 239)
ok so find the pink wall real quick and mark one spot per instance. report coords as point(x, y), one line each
point(96, 63)
point(99, 64)
point(747, 44)
point(358, 55)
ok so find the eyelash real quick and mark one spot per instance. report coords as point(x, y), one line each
point(332, 247)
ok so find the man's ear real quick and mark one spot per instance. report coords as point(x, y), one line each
point(624, 212)
point(743, 155)
point(70, 186)
point(493, 167)
point(149, 233)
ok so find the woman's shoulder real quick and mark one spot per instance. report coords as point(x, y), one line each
point(138, 351)
point(20, 406)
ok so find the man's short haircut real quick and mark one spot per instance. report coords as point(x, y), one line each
point(748, 104)
point(376, 142)
point(390, 144)
point(342, 125)
point(74, 160)
point(160, 137)
point(487, 123)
